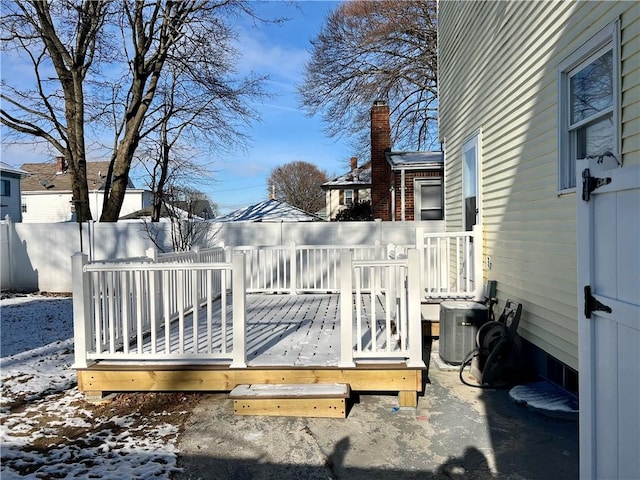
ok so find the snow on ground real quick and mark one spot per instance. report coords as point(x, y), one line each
point(48, 430)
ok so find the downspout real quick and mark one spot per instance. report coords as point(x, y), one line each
point(393, 203)
point(402, 196)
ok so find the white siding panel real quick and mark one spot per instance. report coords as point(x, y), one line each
point(498, 75)
point(630, 58)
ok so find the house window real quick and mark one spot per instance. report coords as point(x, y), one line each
point(429, 199)
point(470, 197)
point(5, 188)
point(588, 106)
point(347, 198)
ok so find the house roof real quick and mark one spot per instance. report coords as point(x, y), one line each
point(5, 167)
point(201, 208)
point(43, 177)
point(269, 211)
point(164, 213)
point(359, 176)
point(415, 160)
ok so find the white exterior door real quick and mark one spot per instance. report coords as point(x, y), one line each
point(608, 238)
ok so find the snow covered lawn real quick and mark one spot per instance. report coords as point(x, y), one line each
point(48, 430)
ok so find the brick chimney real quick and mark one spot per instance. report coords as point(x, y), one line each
point(380, 169)
point(61, 165)
point(354, 163)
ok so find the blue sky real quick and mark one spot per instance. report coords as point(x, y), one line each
point(285, 134)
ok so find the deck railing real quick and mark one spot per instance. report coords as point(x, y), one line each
point(389, 325)
point(118, 306)
point(138, 309)
point(300, 268)
point(450, 264)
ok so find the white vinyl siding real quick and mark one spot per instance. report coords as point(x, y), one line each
point(498, 73)
point(53, 207)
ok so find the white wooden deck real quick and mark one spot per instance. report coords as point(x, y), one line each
point(284, 330)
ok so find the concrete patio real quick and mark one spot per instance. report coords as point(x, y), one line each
point(456, 432)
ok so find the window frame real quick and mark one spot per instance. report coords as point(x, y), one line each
point(418, 182)
point(5, 188)
point(349, 201)
point(472, 142)
point(607, 39)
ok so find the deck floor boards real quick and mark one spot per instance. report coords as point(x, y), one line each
point(282, 330)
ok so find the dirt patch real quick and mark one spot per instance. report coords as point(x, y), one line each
point(147, 404)
point(84, 431)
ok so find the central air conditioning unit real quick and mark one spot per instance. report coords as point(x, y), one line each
point(459, 323)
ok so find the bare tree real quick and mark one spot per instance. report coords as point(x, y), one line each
point(53, 108)
point(185, 210)
point(376, 50)
point(108, 59)
point(299, 184)
point(189, 112)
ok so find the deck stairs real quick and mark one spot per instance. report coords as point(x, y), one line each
point(328, 400)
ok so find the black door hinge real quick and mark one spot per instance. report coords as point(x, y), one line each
point(591, 304)
point(589, 183)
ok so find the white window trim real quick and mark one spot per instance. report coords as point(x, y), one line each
point(472, 140)
point(605, 39)
point(417, 199)
point(346, 203)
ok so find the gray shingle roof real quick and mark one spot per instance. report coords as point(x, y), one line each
point(268, 211)
point(44, 177)
point(414, 160)
point(360, 176)
point(5, 167)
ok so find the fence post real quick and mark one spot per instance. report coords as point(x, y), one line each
point(196, 287)
point(238, 267)
point(346, 310)
point(10, 241)
point(381, 253)
point(413, 309)
point(152, 253)
point(155, 282)
point(82, 330)
point(293, 268)
point(421, 253)
point(477, 262)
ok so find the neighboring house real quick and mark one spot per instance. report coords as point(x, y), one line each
point(195, 208)
point(269, 211)
point(47, 194)
point(405, 186)
point(526, 89)
point(417, 191)
point(10, 180)
point(166, 214)
point(347, 189)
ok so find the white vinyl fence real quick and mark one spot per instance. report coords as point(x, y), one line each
point(38, 256)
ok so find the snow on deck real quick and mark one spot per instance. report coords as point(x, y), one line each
point(284, 330)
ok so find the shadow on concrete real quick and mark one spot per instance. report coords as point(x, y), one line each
point(472, 465)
